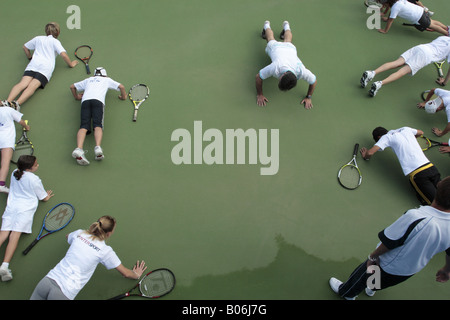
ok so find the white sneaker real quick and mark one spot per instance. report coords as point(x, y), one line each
point(370, 292)
point(98, 153)
point(374, 89)
point(366, 77)
point(79, 155)
point(335, 284)
point(5, 274)
point(4, 189)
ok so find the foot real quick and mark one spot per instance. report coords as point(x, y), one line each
point(98, 153)
point(370, 292)
point(366, 77)
point(374, 89)
point(5, 274)
point(81, 158)
point(282, 32)
point(335, 284)
point(4, 189)
point(263, 33)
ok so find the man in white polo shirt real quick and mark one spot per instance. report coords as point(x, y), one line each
point(423, 175)
point(92, 110)
point(405, 248)
point(285, 66)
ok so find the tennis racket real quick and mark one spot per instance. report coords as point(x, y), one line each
point(84, 53)
point(424, 95)
point(138, 94)
point(439, 65)
point(57, 218)
point(426, 143)
point(23, 146)
point(349, 175)
point(155, 284)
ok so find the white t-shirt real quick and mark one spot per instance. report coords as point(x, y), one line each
point(77, 267)
point(46, 49)
point(407, 11)
point(438, 49)
point(22, 202)
point(284, 58)
point(414, 239)
point(404, 144)
point(96, 87)
point(445, 96)
point(7, 127)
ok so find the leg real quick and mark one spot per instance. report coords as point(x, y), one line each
point(18, 88)
point(439, 27)
point(12, 245)
point(81, 136)
point(390, 65)
point(29, 91)
point(6, 159)
point(98, 135)
point(287, 33)
point(397, 75)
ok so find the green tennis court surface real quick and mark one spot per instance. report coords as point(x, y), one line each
point(225, 230)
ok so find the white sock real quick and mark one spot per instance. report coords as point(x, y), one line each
point(5, 265)
point(266, 25)
point(286, 27)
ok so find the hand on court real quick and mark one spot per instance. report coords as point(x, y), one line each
point(307, 102)
point(261, 100)
point(139, 268)
point(421, 105)
point(437, 131)
point(440, 81)
point(442, 275)
point(444, 149)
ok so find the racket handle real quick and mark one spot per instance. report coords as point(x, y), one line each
point(120, 296)
point(441, 74)
point(30, 246)
point(355, 150)
point(88, 70)
point(135, 115)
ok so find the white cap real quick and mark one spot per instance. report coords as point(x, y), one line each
point(432, 105)
point(100, 71)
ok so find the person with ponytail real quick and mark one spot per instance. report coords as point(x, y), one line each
point(26, 190)
point(87, 249)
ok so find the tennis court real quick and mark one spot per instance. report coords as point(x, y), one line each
point(225, 230)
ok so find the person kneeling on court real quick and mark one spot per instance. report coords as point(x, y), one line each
point(92, 110)
point(423, 175)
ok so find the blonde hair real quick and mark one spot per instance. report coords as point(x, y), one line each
point(53, 29)
point(101, 227)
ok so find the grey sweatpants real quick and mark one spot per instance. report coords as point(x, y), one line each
point(48, 289)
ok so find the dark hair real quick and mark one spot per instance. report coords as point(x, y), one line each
point(287, 81)
point(101, 227)
point(378, 132)
point(442, 196)
point(25, 162)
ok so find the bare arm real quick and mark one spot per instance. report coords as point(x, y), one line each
point(368, 153)
point(387, 27)
point(27, 53)
point(307, 100)
point(134, 273)
point(261, 100)
point(75, 93)
point(67, 60)
point(123, 93)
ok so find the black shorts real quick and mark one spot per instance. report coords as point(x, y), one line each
point(424, 22)
point(38, 76)
point(92, 112)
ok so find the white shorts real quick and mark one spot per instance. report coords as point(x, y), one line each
point(21, 222)
point(416, 58)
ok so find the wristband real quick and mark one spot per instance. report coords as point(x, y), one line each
point(371, 259)
point(308, 96)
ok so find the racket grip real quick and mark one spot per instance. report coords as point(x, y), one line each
point(135, 115)
point(88, 70)
point(441, 74)
point(30, 246)
point(355, 150)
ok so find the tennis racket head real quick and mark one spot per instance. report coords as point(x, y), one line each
point(349, 175)
point(57, 218)
point(424, 95)
point(138, 94)
point(23, 146)
point(157, 283)
point(426, 143)
point(84, 53)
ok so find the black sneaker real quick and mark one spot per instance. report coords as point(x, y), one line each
point(282, 35)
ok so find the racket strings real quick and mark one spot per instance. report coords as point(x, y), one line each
point(139, 93)
point(157, 283)
point(83, 53)
point(349, 176)
point(59, 217)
